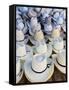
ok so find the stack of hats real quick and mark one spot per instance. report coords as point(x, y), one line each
point(40, 69)
point(38, 33)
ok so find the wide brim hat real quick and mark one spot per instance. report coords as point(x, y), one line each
point(61, 68)
point(43, 76)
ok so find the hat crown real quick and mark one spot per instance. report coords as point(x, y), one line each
point(58, 44)
point(55, 33)
point(62, 58)
point(39, 63)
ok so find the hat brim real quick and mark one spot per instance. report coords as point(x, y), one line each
point(59, 67)
point(34, 77)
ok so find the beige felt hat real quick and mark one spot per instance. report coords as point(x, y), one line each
point(39, 74)
point(60, 61)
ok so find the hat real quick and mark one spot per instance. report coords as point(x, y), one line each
point(39, 69)
point(20, 50)
point(18, 66)
point(19, 35)
point(55, 33)
point(47, 28)
point(38, 36)
point(32, 13)
point(58, 45)
point(34, 26)
point(45, 49)
point(60, 61)
point(19, 71)
point(19, 76)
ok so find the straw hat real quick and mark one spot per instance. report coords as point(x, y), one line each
point(40, 69)
point(60, 61)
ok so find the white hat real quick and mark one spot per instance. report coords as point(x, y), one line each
point(47, 28)
point(31, 13)
point(20, 50)
point(58, 44)
point(47, 50)
point(19, 76)
point(34, 26)
point(19, 35)
point(60, 61)
point(37, 37)
point(39, 74)
point(19, 71)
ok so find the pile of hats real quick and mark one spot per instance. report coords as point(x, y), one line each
point(39, 32)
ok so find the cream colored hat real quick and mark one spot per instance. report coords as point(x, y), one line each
point(37, 37)
point(60, 61)
point(39, 70)
point(55, 33)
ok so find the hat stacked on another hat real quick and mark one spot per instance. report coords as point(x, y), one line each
point(58, 43)
point(19, 71)
point(60, 61)
point(40, 69)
